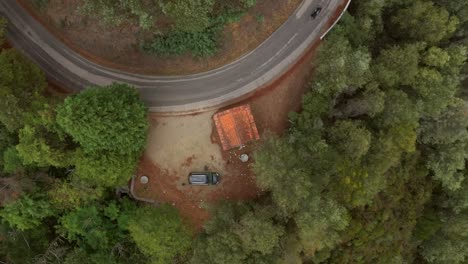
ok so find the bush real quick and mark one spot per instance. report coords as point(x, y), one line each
point(200, 44)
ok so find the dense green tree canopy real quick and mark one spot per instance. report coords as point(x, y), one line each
point(423, 21)
point(159, 233)
point(21, 86)
point(398, 65)
point(258, 233)
point(23, 246)
point(105, 169)
point(240, 233)
point(111, 119)
point(278, 164)
point(26, 213)
point(319, 224)
point(351, 140)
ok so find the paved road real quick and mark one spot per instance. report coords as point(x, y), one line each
point(186, 93)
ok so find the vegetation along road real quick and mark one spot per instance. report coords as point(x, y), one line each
point(175, 93)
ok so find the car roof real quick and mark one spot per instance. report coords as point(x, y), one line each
point(198, 176)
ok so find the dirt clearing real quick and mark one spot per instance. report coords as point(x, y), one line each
point(178, 145)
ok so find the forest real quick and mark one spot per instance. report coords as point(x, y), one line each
point(371, 170)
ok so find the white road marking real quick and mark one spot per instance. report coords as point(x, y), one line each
point(303, 8)
point(279, 51)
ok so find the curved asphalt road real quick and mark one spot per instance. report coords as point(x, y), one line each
point(187, 93)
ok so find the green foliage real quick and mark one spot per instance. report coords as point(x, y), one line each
point(189, 15)
point(7, 139)
point(279, 169)
point(436, 57)
point(22, 246)
point(351, 182)
point(100, 233)
point(432, 76)
point(397, 65)
point(447, 162)
point(34, 149)
point(382, 231)
point(427, 225)
point(199, 43)
point(74, 194)
point(177, 43)
point(248, 3)
point(239, 233)
point(446, 137)
point(11, 160)
point(258, 233)
point(158, 233)
point(221, 247)
point(117, 12)
point(399, 110)
point(293, 170)
point(447, 242)
point(457, 7)
point(364, 27)
point(3, 23)
point(196, 25)
point(111, 119)
point(105, 169)
point(458, 200)
point(369, 101)
point(359, 129)
point(21, 86)
point(358, 181)
point(350, 139)
point(89, 227)
point(340, 66)
point(450, 244)
point(123, 255)
point(423, 21)
point(26, 213)
point(319, 224)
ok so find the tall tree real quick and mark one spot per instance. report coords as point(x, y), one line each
point(111, 119)
point(159, 233)
point(421, 20)
point(21, 86)
point(27, 212)
point(319, 224)
point(351, 139)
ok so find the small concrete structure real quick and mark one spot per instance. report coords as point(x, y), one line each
point(144, 179)
point(244, 157)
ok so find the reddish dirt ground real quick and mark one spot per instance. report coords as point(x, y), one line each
point(93, 40)
point(270, 107)
point(168, 187)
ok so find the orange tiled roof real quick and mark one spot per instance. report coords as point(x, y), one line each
point(236, 126)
